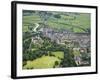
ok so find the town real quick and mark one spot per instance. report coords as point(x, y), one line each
point(77, 41)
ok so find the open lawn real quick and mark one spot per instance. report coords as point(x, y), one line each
point(43, 62)
point(58, 54)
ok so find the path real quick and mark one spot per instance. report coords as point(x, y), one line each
point(35, 29)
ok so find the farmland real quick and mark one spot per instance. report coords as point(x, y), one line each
point(79, 22)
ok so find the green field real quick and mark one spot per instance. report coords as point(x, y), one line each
point(41, 63)
point(79, 23)
point(58, 54)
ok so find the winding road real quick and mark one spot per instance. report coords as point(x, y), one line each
point(35, 29)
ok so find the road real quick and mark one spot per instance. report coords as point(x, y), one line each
point(35, 29)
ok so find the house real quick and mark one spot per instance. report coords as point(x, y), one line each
point(37, 40)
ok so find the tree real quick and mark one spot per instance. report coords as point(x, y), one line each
point(68, 60)
point(88, 30)
point(57, 16)
point(56, 63)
